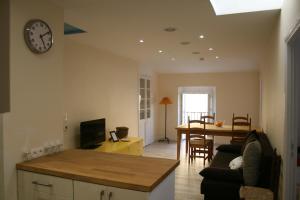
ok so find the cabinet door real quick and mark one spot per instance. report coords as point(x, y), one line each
point(32, 186)
point(122, 194)
point(89, 191)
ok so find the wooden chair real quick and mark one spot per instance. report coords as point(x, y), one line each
point(241, 125)
point(209, 119)
point(199, 145)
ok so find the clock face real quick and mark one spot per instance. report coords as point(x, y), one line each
point(38, 36)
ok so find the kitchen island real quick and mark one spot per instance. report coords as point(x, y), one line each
point(85, 174)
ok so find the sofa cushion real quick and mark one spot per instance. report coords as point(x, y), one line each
point(222, 174)
point(230, 148)
point(218, 190)
point(251, 163)
point(222, 159)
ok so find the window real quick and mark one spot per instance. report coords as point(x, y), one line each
point(226, 7)
point(194, 102)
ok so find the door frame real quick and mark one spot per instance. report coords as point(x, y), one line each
point(291, 117)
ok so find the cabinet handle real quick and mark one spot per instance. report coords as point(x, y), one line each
point(110, 195)
point(41, 184)
point(101, 195)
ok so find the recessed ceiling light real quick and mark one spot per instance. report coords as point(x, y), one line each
point(201, 36)
point(185, 43)
point(202, 59)
point(160, 51)
point(225, 7)
point(196, 52)
point(141, 41)
point(173, 59)
point(170, 29)
point(217, 57)
point(210, 49)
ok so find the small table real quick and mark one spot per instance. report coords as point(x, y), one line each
point(225, 130)
point(133, 147)
point(255, 193)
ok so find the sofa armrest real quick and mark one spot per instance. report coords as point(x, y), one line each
point(222, 174)
point(230, 148)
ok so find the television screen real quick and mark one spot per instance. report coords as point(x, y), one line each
point(92, 133)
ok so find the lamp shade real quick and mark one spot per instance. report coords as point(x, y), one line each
point(165, 100)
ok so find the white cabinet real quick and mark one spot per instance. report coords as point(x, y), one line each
point(164, 191)
point(33, 186)
point(83, 191)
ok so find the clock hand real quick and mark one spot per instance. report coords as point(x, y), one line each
point(45, 34)
point(41, 36)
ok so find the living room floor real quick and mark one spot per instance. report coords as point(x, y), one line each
point(187, 178)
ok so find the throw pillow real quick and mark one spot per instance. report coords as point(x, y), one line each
point(251, 163)
point(236, 163)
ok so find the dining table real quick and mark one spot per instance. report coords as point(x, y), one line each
point(211, 129)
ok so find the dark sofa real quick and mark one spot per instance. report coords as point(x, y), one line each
point(220, 182)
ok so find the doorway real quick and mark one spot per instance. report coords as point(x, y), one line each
point(194, 102)
point(292, 126)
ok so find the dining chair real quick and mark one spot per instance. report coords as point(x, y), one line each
point(199, 145)
point(241, 125)
point(210, 120)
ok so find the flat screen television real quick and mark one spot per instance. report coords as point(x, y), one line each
point(92, 133)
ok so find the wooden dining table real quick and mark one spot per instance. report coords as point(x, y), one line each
point(225, 130)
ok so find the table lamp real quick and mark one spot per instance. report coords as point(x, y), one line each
point(165, 101)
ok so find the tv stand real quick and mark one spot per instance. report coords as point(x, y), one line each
point(134, 146)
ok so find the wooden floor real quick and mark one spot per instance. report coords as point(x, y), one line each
point(187, 178)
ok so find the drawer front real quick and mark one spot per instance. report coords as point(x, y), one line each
point(38, 186)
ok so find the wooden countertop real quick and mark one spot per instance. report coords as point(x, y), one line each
point(116, 170)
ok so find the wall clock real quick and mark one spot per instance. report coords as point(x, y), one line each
point(38, 36)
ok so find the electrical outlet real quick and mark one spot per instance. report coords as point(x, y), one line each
point(40, 152)
point(34, 153)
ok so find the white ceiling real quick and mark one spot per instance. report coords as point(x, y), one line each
point(118, 25)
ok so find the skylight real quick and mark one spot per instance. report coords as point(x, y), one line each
point(226, 7)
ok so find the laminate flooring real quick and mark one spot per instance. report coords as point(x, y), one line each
point(187, 178)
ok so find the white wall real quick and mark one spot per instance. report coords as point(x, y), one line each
point(273, 76)
point(236, 92)
point(36, 114)
point(98, 84)
point(4, 56)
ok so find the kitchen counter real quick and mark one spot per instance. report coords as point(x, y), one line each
point(117, 170)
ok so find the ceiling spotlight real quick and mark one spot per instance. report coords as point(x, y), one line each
point(185, 43)
point(173, 59)
point(160, 51)
point(210, 49)
point(196, 52)
point(201, 36)
point(202, 59)
point(217, 57)
point(170, 29)
point(141, 41)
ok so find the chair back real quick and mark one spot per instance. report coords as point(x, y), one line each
point(241, 121)
point(208, 119)
point(196, 129)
